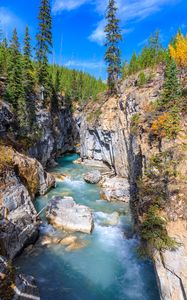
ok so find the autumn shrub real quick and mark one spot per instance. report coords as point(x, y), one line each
point(6, 160)
point(179, 50)
point(167, 124)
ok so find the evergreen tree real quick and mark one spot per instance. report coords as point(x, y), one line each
point(28, 77)
point(112, 55)
point(4, 53)
point(14, 86)
point(15, 91)
point(172, 88)
point(57, 81)
point(44, 42)
point(133, 65)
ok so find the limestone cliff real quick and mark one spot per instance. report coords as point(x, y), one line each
point(21, 178)
point(119, 131)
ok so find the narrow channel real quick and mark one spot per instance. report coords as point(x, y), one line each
point(103, 265)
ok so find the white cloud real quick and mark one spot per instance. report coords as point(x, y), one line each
point(129, 11)
point(8, 21)
point(98, 35)
point(60, 5)
point(84, 64)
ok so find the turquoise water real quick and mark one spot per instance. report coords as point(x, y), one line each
point(107, 268)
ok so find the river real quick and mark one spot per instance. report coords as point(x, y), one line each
point(107, 267)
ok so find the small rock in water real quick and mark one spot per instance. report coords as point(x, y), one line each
point(48, 240)
point(93, 177)
point(115, 189)
point(65, 214)
point(68, 240)
point(77, 245)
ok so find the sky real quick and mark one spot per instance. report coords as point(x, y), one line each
point(78, 27)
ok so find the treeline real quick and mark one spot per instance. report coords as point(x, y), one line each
point(75, 85)
point(152, 54)
point(29, 76)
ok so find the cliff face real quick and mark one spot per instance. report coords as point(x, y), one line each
point(20, 181)
point(55, 129)
point(117, 131)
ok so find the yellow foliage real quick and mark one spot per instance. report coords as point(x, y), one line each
point(158, 126)
point(5, 157)
point(179, 51)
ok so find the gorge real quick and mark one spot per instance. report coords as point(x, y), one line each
point(107, 140)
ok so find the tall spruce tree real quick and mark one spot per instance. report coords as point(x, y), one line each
point(15, 91)
point(44, 42)
point(28, 77)
point(172, 90)
point(112, 55)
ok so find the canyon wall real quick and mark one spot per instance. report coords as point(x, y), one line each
point(110, 132)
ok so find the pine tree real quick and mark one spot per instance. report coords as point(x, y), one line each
point(44, 42)
point(112, 55)
point(15, 91)
point(28, 77)
point(172, 88)
point(57, 81)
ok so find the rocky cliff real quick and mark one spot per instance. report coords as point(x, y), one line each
point(122, 132)
point(21, 178)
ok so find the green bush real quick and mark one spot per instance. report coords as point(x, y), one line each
point(153, 231)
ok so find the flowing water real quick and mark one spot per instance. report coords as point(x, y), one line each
point(107, 268)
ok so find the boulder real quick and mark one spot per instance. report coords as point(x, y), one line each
point(93, 177)
point(115, 189)
point(65, 214)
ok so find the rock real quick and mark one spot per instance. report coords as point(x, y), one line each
point(64, 213)
point(16, 286)
point(37, 180)
point(77, 245)
point(68, 240)
point(48, 240)
point(115, 189)
point(18, 227)
point(60, 176)
point(25, 288)
point(93, 177)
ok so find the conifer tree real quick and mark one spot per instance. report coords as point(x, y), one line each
point(172, 87)
point(15, 91)
point(44, 41)
point(28, 76)
point(112, 55)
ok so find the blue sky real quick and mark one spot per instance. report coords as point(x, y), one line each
point(78, 27)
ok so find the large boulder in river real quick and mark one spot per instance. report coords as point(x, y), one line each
point(65, 214)
point(115, 189)
point(93, 177)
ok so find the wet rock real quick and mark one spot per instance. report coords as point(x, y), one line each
point(48, 240)
point(64, 213)
point(16, 286)
point(115, 189)
point(60, 176)
point(93, 177)
point(77, 245)
point(68, 240)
